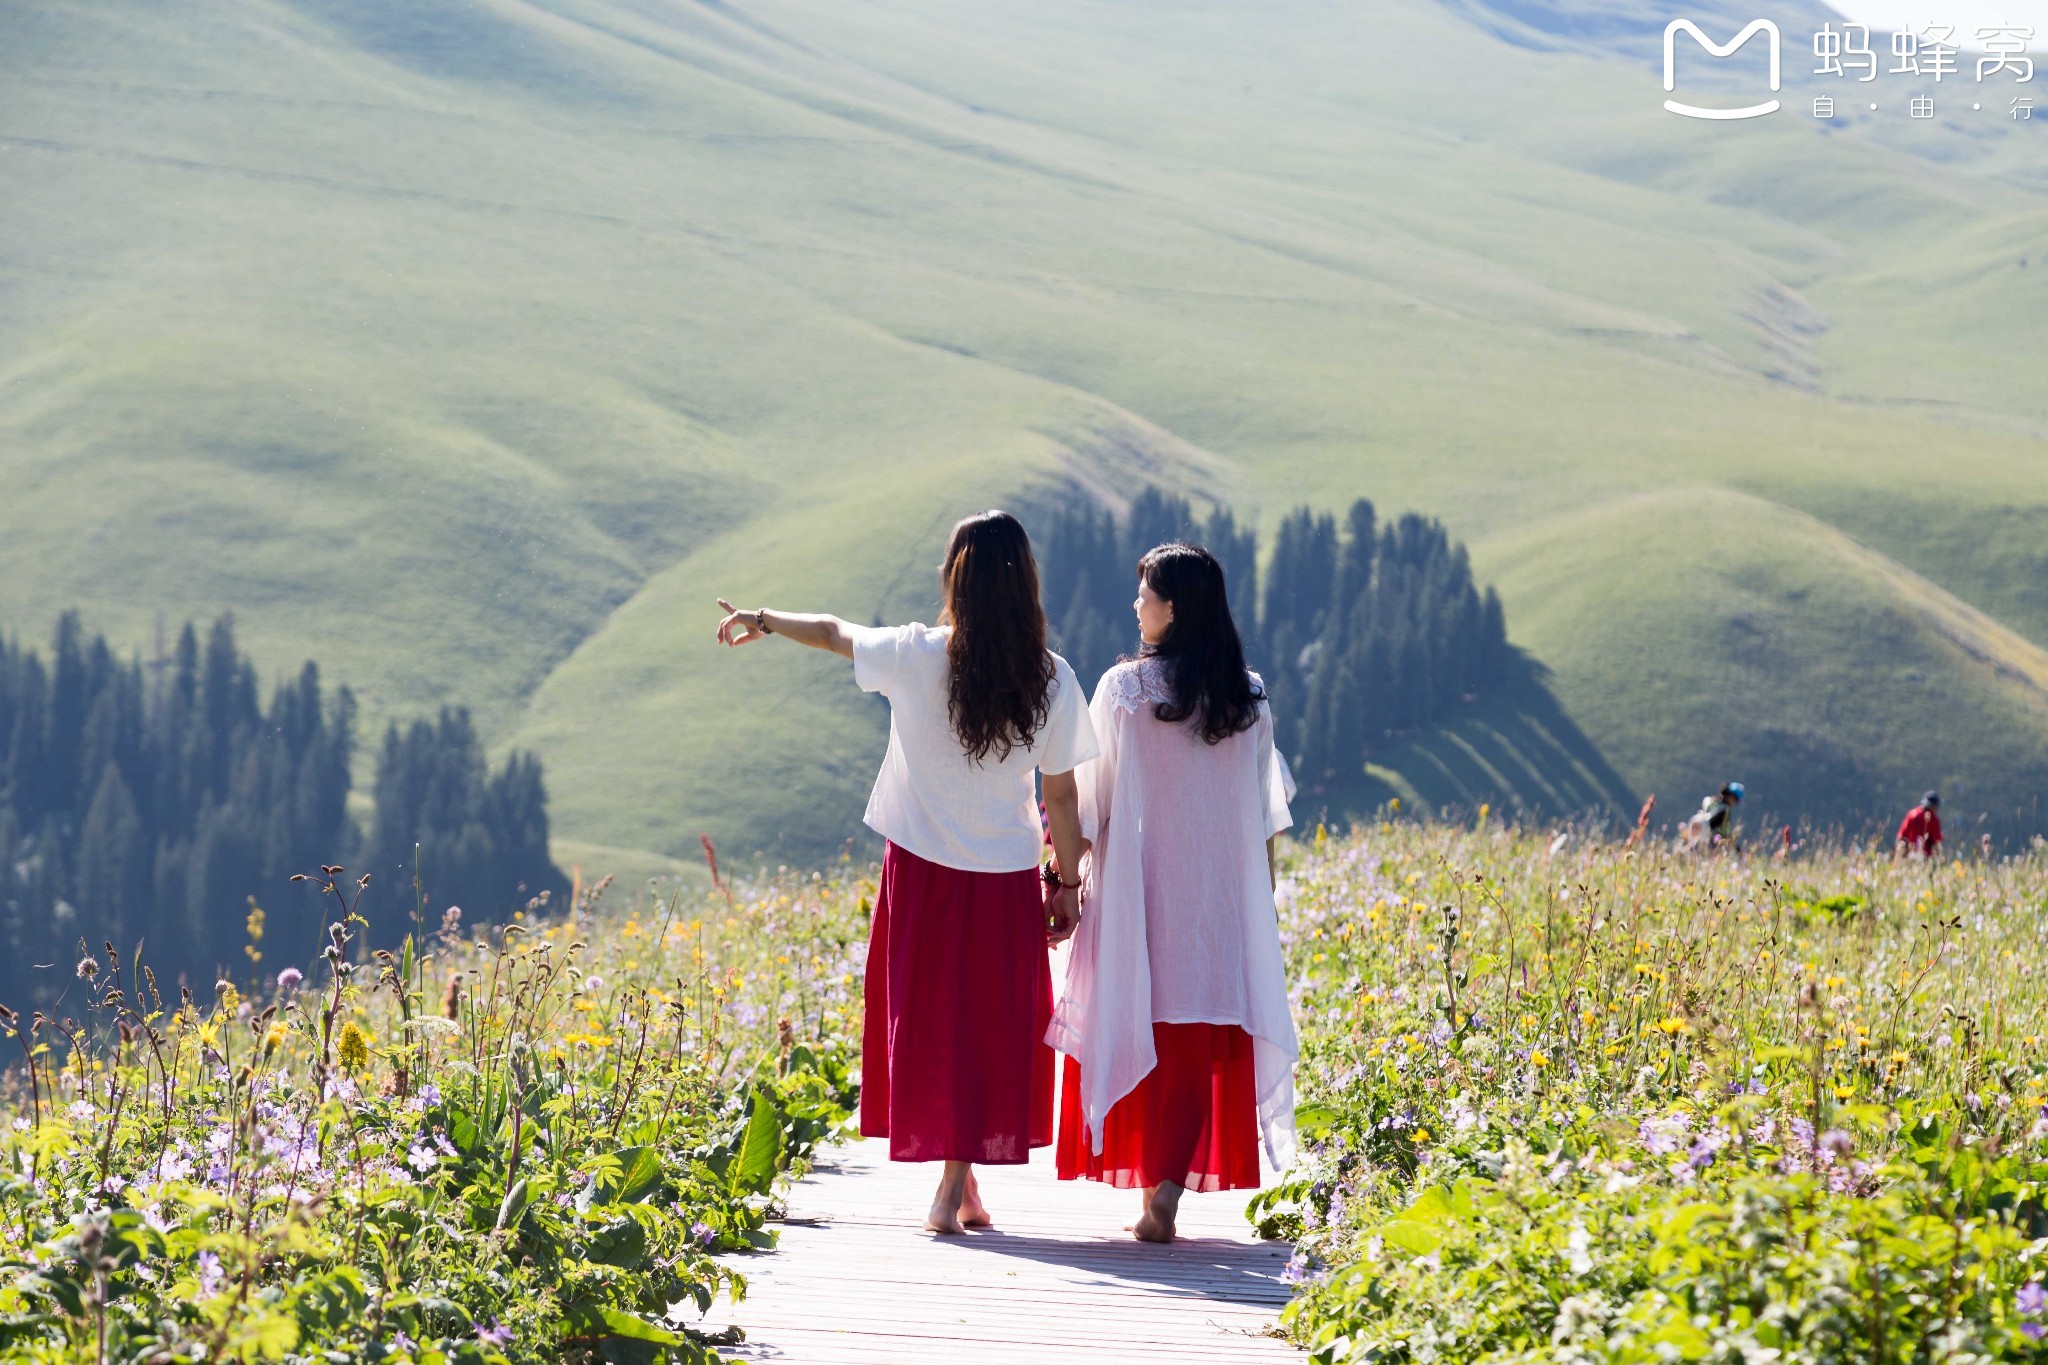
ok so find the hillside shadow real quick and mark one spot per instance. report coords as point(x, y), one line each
point(1516, 750)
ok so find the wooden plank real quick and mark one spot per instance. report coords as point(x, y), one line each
point(856, 1280)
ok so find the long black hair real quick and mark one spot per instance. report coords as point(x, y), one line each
point(999, 688)
point(1203, 655)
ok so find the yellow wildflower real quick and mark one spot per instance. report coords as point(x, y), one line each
point(354, 1047)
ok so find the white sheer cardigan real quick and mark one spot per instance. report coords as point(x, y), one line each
point(1177, 922)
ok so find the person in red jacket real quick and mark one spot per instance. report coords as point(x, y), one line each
point(1920, 831)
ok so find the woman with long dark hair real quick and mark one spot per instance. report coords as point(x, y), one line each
point(1180, 1043)
point(959, 988)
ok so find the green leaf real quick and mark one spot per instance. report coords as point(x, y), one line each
point(1314, 1121)
point(616, 1322)
point(1411, 1236)
point(753, 1172)
point(622, 1242)
point(639, 1174)
point(1688, 1340)
point(462, 1131)
point(514, 1206)
point(1431, 1206)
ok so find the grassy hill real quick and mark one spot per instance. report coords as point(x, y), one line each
point(473, 347)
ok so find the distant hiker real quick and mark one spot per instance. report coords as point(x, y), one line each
point(1920, 831)
point(1714, 823)
point(1175, 1020)
point(959, 985)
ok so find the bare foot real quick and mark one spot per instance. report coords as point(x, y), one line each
point(956, 1178)
point(974, 1213)
point(1162, 1207)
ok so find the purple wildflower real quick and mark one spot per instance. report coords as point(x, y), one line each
point(2032, 1299)
point(1662, 1136)
point(494, 1335)
point(289, 979)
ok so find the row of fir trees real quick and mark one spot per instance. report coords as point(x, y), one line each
point(1362, 632)
point(163, 805)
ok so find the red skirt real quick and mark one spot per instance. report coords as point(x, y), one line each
point(1193, 1120)
point(954, 1065)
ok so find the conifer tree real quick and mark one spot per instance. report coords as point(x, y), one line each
point(151, 803)
point(1363, 633)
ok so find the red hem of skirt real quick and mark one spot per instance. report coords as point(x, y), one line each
point(1193, 1120)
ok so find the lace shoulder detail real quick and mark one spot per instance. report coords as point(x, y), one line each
point(1136, 683)
point(1143, 682)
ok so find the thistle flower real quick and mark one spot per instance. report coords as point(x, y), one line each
point(289, 979)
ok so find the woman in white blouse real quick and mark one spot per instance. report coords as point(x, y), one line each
point(1180, 1043)
point(959, 988)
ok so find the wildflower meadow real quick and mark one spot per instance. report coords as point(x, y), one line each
point(1573, 1100)
point(535, 1141)
point(1562, 1098)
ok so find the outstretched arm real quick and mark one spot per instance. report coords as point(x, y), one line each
point(819, 632)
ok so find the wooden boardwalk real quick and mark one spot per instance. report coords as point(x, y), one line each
point(856, 1282)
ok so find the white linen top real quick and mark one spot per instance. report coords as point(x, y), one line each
point(930, 797)
point(1177, 922)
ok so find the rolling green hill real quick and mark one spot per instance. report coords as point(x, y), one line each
point(472, 347)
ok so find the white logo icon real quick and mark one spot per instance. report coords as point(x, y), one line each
point(1754, 27)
